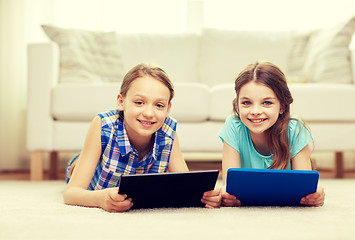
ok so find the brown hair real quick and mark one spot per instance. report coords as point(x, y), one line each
point(142, 70)
point(271, 76)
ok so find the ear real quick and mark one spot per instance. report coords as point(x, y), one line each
point(120, 102)
point(169, 107)
point(282, 109)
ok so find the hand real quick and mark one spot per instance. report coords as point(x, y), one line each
point(212, 199)
point(314, 199)
point(229, 200)
point(111, 201)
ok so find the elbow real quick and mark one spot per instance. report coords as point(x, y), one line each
point(66, 197)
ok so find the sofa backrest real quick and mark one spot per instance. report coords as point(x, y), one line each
point(177, 54)
point(211, 57)
point(76, 102)
point(223, 54)
point(197, 102)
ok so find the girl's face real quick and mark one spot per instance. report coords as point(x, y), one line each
point(145, 107)
point(259, 108)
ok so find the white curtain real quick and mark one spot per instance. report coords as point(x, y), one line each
point(20, 22)
point(12, 85)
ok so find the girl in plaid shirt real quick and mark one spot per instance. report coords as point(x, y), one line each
point(138, 137)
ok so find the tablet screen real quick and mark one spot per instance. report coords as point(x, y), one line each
point(161, 190)
point(271, 187)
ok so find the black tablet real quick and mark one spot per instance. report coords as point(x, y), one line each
point(271, 187)
point(164, 190)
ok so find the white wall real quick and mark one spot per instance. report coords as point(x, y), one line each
point(276, 14)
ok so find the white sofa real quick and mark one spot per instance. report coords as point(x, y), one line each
point(203, 67)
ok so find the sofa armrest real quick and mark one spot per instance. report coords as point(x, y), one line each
point(352, 57)
point(43, 62)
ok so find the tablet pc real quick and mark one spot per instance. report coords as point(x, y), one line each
point(163, 190)
point(271, 187)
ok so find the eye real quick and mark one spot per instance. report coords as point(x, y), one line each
point(267, 103)
point(160, 105)
point(246, 103)
point(138, 103)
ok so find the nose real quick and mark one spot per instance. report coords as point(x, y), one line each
point(148, 111)
point(255, 110)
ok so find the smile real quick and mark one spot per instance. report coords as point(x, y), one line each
point(146, 122)
point(257, 120)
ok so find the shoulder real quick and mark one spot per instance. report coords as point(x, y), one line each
point(233, 122)
point(108, 118)
point(298, 132)
point(109, 114)
point(296, 126)
point(171, 122)
point(299, 136)
point(168, 128)
point(233, 131)
point(95, 127)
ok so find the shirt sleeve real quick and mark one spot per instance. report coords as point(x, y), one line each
point(299, 136)
point(229, 133)
point(169, 127)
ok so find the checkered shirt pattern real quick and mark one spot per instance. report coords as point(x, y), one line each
point(119, 157)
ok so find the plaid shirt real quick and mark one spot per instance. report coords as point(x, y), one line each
point(119, 157)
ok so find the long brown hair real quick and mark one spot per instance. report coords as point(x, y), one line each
point(142, 70)
point(271, 76)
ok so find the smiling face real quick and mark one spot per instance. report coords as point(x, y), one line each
point(145, 107)
point(258, 107)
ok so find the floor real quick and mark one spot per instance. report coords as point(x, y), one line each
point(35, 211)
point(193, 166)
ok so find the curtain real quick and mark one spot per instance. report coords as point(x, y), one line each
point(13, 153)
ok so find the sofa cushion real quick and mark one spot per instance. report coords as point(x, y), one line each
point(201, 137)
point(177, 54)
point(86, 56)
point(333, 136)
point(225, 53)
point(191, 102)
point(222, 97)
point(79, 102)
point(328, 57)
point(297, 56)
point(69, 135)
point(323, 102)
point(312, 102)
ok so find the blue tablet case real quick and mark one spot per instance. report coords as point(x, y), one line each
point(163, 190)
point(271, 187)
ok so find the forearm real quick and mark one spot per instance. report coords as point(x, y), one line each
point(302, 161)
point(230, 159)
point(81, 197)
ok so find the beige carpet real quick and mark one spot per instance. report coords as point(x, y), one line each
point(35, 210)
